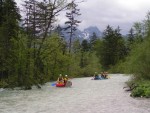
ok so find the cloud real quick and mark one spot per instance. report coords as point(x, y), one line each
point(121, 13)
point(101, 13)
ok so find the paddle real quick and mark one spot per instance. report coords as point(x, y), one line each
point(53, 84)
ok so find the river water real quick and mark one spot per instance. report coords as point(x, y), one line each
point(85, 96)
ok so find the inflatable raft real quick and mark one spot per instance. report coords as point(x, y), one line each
point(68, 84)
point(100, 78)
point(60, 85)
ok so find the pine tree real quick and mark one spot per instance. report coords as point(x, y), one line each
point(131, 36)
point(113, 48)
point(93, 40)
point(138, 28)
point(84, 50)
point(130, 40)
point(147, 25)
point(72, 23)
point(76, 46)
point(9, 26)
point(84, 46)
point(1, 11)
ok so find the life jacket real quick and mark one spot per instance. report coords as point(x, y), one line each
point(96, 76)
point(60, 78)
point(66, 78)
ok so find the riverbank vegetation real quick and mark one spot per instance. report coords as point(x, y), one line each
point(137, 61)
point(34, 50)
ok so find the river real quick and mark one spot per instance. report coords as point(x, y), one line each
point(85, 96)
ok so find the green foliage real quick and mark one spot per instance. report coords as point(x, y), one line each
point(138, 92)
point(146, 24)
point(91, 66)
point(54, 61)
point(9, 25)
point(113, 48)
point(22, 68)
point(130, 40)
point(98, 48)
point(84, 46)
point(3, 84)
point(138, 62)
point(139, 31)
point(142, 89)
point(29, 59)
point(118, 68)
point(93, 41)
point(76, 47)
point(10, 18)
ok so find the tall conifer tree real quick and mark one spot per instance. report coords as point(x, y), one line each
point(72, 22)
point(9, 26)
point(113, 48)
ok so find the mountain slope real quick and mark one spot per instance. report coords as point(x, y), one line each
point(85, 34)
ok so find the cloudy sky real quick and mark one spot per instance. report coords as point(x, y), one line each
point(124, 13)
point(121, 13)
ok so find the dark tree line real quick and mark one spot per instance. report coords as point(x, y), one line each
point(111, 48)
point(9, 25)
point(33, 54)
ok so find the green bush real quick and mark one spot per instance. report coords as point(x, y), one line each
point(138, 61)
point(3, 84)
point(138, 92)
point(147, 93)
point(142, 89)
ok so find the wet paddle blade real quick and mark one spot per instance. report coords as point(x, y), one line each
point(53, 84)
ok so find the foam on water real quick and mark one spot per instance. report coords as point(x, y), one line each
point(85, 96)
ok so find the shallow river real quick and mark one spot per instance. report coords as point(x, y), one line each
point(85, 96)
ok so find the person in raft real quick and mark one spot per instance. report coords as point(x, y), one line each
point(65, 79)
point(96, 76)
point(104, 75)
point(60, 79)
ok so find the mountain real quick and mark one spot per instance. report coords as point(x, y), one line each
point(88, 32)
point(85, 34)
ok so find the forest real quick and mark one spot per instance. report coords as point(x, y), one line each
point(33, 50)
